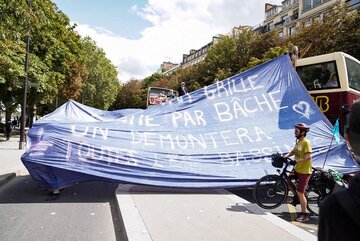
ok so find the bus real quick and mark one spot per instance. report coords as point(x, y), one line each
point(158, 95)
point(333, 81)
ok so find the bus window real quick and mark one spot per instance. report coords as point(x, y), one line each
point(157, 95)
point(353, 71)
point(319, 76)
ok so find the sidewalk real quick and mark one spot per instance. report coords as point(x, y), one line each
point(161, 214)
point(10, 162)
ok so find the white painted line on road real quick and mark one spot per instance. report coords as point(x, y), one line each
point(290, 228)
point(293, 213)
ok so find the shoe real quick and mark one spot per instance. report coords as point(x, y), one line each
point(295, 202)
point(302, 218)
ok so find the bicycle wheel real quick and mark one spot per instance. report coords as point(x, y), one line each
point(315, 193)
point(270, 191)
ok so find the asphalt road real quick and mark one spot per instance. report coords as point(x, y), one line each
point(285, 211)
point(85, 211)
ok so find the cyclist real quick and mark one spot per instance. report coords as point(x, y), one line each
point(303, 167)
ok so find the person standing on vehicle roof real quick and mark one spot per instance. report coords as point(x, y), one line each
point(303, 167)
point(339, 217)
point(182, 89)
point(295, 54)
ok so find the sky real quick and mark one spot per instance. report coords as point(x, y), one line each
point(139, 35)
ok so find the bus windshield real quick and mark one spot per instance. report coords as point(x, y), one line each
point(157, 95)
point(353, 71)
point(319, 76)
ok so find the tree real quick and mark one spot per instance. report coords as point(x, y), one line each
point(131, 95)
point(220, 59)
point(149, 81)
point(263, 42)
point(102, 84)
point(13, 22)
point(54, 53)
point(190, 75)
point(348, 37)
point(270, 54)
point(228, 55)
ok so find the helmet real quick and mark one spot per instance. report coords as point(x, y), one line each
point(302, 127)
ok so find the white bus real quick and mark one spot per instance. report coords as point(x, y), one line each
point(158, 95)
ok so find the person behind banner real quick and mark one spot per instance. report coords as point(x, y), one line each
point(332, 82)
point(339, 217)
point(182, 89)
point(323, 75)
point(303, 167)
point(8, 129)
point(295, 54)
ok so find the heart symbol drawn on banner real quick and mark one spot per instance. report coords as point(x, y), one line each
point(302, 108)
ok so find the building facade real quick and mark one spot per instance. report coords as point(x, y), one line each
point(194, 57)
point(285, 18)
point(165, 66)
point(197, 56)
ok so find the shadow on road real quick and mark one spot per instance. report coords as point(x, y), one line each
point(23, 189)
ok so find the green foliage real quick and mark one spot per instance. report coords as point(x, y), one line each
point(270, 54)
point(263, 42)
point(59, 61)
point(149, 81)
point(102, 84)
point(131, 95)
point(227, 56)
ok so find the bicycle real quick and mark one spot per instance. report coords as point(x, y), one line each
point(272, 190)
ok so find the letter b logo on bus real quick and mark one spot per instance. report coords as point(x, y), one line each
point(322, 102)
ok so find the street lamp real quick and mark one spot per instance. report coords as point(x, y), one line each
point(23, 106)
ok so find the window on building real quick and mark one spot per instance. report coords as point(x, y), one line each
point(353, 3)
point(295, 14)
point(309, 4)
point(271, 12)
point(281, 34)
point(316, 2)
point(285, 19)
point(292, 30)
point(271, 26)
point(286, 4)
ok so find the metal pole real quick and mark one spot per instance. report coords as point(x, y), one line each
point(327, 153)
point(23, 106)
point(57, 99)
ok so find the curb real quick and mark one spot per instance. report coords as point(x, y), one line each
point(134, 226)
point(6, 178)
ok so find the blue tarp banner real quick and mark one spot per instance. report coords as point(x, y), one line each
point(219, 136)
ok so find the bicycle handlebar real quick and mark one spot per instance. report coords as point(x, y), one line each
point(290, 161)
